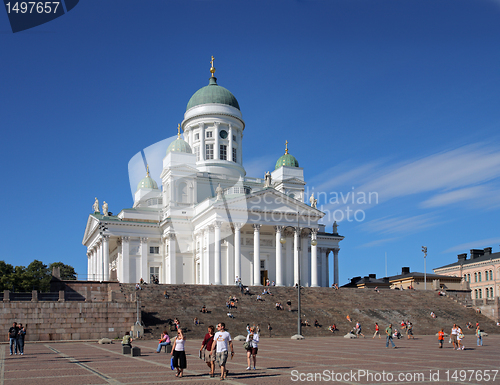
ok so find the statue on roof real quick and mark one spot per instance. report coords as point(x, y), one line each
point(267, 180)
point(335, 231)
point(95, 206)
point(313, 201)
point(104, 208)
point(219, 192)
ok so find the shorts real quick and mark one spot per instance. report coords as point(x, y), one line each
point(222, 358)
point(253, 351)
point(210, 356)
point(454, 338)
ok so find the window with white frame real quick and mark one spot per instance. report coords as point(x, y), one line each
point(197, 153)
point(209, 134)
point(234, 138)
point(154, 249)
point(209, 151)
point(196, 136)
point(234, 155)
point(223, 152)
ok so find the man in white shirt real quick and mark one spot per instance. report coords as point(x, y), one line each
point(223, 340)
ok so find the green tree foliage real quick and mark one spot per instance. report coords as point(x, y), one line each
point(36, 276)
point(6, 271)
point(67, 271)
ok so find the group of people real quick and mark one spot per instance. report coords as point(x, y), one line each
point(16, 336)
point(214, 349)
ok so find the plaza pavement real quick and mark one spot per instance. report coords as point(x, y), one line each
point(279, 361)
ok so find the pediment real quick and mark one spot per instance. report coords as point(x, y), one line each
point(268, 201)
point(293, 181)
point(92, 225)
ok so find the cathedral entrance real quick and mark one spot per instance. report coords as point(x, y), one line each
point(154, 273)
point(263, 277)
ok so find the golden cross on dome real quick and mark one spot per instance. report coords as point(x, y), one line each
point(212, 69)
point(147, 170)
point(286, 147)
point(178, 131)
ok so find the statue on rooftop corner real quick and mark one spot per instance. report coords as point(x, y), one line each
point(313, 201)
point(267, 180)
point(104, 208)
point(95, 206)
point(219, 192)
point(335, 227)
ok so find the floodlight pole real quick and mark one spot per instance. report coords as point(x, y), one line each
point(299, 322)
point(424, 250)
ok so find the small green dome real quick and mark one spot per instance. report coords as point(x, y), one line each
point(179, 145)
point(147, 182)
point(213, 93)
point(287, 160)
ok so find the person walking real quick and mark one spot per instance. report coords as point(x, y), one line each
point(377, 331)
point(223, 343)
point(163, 341)
point(253, 340)
point(388, 331)
point(179, 353)
point(270, 329)
point(13, 332)
point(441, 338)
point(208, 344)
point(454, 336)
point(358, 330)
point(479, 336)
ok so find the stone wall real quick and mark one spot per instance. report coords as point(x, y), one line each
point(69, 320)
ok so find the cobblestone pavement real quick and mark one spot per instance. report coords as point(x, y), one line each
point(279, 361)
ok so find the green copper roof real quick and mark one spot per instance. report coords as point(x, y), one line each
point(179, 145)
point(147, 182)
point(287, 160)
point(213, 93)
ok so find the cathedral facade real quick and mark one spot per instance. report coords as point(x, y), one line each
point(208, 223)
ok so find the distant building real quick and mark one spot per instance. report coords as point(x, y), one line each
point(481, 271)
point(408, 280)
point(417, 281)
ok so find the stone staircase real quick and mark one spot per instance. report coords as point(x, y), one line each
point(324, 304)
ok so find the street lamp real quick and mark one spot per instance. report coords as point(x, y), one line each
point(314, 242)
point(424, 250)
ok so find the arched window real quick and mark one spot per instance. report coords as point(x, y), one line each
point(491, 275)
point(475, 278)
point(486, 275)
point(183, 193)
point(468, 277)
point(476, 294)
point(480, 292)
point(479, 276)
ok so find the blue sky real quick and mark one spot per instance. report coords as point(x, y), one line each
point(398, 98)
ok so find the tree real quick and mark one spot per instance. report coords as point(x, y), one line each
point(67, 271)
point(6, 271)
point(37, 277)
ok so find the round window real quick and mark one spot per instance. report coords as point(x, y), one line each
point(223, 134)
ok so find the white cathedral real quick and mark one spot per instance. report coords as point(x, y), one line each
point(209, 223)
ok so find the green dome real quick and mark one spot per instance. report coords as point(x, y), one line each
point(287, 160)
point(179, 145)
point(147, 182)
point(213, 93)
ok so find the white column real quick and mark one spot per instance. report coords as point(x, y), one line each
point(125, 266)
point(240, 149)
point(327, 268)
point(237, 250)
point(289, 266)
point(336, 266)
point(296, 255)
point(314, 260)
point(94, 264)
point(304, 267)
point(216, 137)
point(279, 257)
point(99, 262)
point(89, 264)
point(172, 255)
point(230, 147)
point(105, 253)
point(202, 141)
point(256, 255)
point(144, 259)
point(203, 261)
point(217, 254)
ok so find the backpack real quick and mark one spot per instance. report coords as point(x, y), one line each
point(246, 345)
